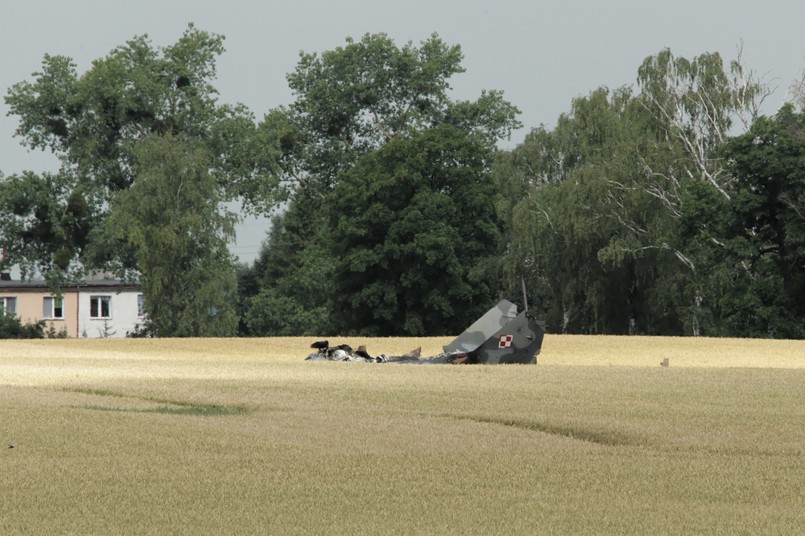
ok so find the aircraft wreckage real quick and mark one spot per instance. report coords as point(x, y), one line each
point(499, 336)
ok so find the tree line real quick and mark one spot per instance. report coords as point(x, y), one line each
point(672, 207)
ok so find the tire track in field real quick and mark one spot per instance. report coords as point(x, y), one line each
point(609, 438)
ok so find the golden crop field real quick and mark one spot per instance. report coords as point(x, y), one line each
point(242, 436)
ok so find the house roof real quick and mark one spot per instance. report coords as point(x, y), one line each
point(100, 285)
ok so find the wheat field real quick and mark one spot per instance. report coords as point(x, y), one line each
point(242, 436)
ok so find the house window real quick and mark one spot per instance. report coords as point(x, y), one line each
point(140, 305)
point(52, 308)
point(8, 305)
point(100, 307)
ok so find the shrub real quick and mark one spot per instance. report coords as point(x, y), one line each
point(12, 328)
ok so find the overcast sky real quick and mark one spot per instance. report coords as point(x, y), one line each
point(542, 54)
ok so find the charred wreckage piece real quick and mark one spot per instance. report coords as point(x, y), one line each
point(499, 336)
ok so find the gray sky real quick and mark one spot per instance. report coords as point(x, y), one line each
point(542, 54)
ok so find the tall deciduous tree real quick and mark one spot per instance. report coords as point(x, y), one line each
point(93, 123)
point(351, 103)
point(171, 219)
point(411, 222)
point(568, 220)
point(45, 221)
point(696, 105)
point(635, 165)
point(353, 99)
point(765, 226)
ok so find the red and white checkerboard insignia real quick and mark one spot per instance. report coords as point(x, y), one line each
point(505, 341)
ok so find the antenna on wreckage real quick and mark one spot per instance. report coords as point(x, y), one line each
point(525, 297)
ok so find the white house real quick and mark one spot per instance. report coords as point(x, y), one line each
point(109, 308)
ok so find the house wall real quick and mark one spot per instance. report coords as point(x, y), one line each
point(123, 313)
point(29, 309)
point(77, 321)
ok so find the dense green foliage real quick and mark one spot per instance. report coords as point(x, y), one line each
point(146, 152)
point(411, 221)
point(171, 219)
point(391, 202)
point(639, 214)
point(11, 327)
point(671, 207)
point(764, 255)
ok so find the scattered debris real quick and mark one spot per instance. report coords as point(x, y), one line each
point(499, 336)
